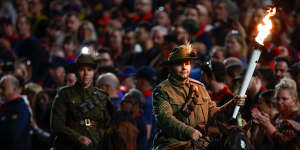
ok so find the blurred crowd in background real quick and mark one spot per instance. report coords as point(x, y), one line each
point(131, 40)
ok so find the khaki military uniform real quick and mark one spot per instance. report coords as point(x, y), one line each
point(174, 130)
point(79, 112)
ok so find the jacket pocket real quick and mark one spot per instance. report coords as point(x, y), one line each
point(176, 106)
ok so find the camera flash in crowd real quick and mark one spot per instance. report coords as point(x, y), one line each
point(85, 50)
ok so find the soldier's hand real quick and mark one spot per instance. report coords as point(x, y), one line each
point(196, 135)
point(85, 140)
point(239, 100)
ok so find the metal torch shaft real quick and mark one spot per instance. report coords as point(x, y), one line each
point(252, 64)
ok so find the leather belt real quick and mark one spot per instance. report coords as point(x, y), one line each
point(86, 123)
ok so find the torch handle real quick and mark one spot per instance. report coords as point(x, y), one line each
point(252, 64)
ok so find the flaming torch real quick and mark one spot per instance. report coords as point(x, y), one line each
point(263, 31)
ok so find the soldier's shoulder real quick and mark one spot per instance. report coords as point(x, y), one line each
point(161, 89)
point(163, 85)
point(64, 89)
point(193, 81)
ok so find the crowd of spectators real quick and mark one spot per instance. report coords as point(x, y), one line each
point(131, 40)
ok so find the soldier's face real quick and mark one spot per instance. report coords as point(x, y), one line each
point(86, 74)
point(182, 69)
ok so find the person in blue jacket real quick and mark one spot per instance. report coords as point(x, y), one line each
point(14, 116)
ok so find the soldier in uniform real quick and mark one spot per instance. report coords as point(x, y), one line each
point(179, 123)
point(80, 113)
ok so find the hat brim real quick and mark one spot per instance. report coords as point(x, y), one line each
point(74, 66)
point(181, 60)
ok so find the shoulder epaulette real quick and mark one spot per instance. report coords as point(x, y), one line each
point(196, 81)
point(164, 84)
point(63, 88)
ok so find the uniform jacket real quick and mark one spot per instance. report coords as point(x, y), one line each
point(169, 97)
point(67, 108)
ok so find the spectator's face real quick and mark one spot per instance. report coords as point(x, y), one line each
point(182, 69)
point(281, 70)
point(69, 47)
point(141, 35)
point(52, 33)
point(86, 74)
point(72, 23)
point(22, 26)
point(8, 30)
point(85, 32)
point(60, 74)
point(162, 19)
point(192, 13)
point(115, 39)
point(158, 39)
point(218, 55)
point(22, 71)
point(105, 60)
point(285, 102)
point(35, 6)
point(117, 2)
point(180, 19)
point(103, 86)
point(128, 83)
point(258, 15)
point(129, 40)
point(181, 34)
point(232, 46)
point(140, 84)
point(6, 89)
point(203, 16)
point(44, 101)
point(70, 79)
point(22, 6)
point(221, 11)
point(143, 7)
point(267, 108)
point(92, 50)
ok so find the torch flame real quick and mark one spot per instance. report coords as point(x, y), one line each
point(265, 27)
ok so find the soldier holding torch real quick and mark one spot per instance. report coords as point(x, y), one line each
point(181, 105)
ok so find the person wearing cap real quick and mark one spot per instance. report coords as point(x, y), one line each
point(145, 81)
point(179, 127)
point(126, 78)
point(132, 104)
point(80, 113)
point(56, 74)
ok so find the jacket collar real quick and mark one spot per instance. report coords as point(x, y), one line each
point(177, 82)
point(79, 87)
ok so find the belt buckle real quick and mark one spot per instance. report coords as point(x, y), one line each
point(87, 122)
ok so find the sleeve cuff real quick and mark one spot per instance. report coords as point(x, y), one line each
point(189, 131)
